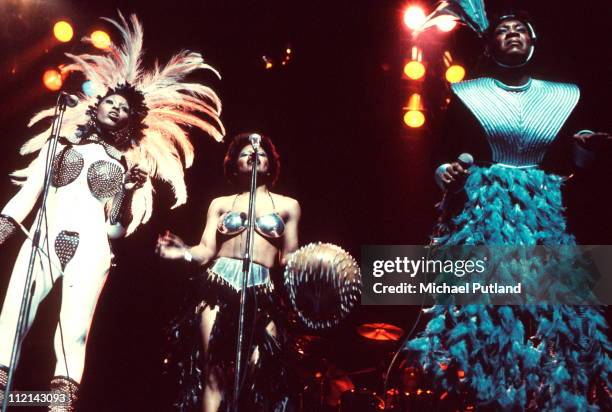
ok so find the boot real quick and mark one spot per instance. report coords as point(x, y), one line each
point(63, 385)
point(3, 381)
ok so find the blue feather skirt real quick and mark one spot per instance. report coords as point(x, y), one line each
point(523, 357)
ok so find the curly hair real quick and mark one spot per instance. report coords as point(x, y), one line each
point(230, 161)
point(133, 131)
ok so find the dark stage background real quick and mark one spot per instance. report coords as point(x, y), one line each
point(335, 112)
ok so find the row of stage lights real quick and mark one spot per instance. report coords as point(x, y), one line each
point(53, 79)
point(270, 63)
point(415, 69)
point(63, 31)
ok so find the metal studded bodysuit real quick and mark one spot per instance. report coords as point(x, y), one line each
point(84, 178)
point(521, 122)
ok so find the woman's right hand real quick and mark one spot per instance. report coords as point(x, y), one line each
point(170, 246)
point(453, 174)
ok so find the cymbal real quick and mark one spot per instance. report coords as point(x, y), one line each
point(380, 331)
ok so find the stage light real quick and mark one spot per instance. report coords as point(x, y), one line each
point(267, 62)
point(446, 25)
point(52, 79)
point(62, 30)
point(414, 119)
point(455, 73)
point(92, 89)
point(415, 70)
point(88, 88)
point(100, 39)
point(414, 17)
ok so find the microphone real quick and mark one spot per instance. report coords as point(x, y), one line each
point(255, 140)
point(466, 160)
point(69, 100)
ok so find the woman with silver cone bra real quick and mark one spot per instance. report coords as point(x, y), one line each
point(215, 317)
point(100, 187)
point(89, 172)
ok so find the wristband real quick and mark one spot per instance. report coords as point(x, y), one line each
point(187, 256)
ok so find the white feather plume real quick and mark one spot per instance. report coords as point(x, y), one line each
point(174, 107)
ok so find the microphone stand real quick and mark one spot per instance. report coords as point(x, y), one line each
point(246, 272)
point(30, 286)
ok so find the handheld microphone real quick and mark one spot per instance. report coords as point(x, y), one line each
point(255, 140)
point(466, 160)
point(69, 100)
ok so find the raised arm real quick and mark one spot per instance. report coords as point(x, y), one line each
point(170, 246)
point(290, 239)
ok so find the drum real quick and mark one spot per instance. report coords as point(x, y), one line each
point(323, 282)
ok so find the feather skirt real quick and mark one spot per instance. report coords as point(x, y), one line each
point(266, 383)
point(523, 357)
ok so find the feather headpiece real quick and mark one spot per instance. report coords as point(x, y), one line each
point(470, 12)
point(169, 106)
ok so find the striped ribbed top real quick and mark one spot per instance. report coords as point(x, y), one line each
point(520, 122)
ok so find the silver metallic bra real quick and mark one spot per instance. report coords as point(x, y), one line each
point(270, 225)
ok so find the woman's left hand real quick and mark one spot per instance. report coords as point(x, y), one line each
point(134, 178)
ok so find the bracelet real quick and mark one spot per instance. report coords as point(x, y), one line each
point(585, 131)
point(187, 255)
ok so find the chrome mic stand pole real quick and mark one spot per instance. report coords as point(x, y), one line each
point(30, 286)
point(246, 266)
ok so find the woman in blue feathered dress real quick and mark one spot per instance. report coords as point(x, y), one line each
point(529, 357)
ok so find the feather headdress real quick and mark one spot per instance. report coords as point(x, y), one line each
point(470, 12)
point(473, 14)
point(163, 150)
